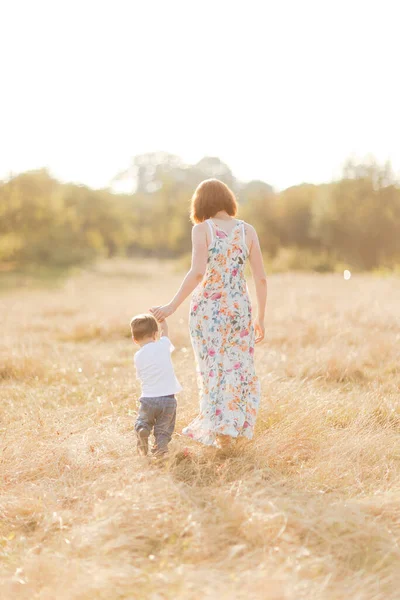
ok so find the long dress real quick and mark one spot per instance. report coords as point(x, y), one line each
point(222, 337)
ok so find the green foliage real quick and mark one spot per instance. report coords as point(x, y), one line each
point(354, 221)
point(44, 222)
point(359, 218)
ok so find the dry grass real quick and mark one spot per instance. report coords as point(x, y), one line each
point(310, 509)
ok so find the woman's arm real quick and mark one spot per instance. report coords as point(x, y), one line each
point(260, 280)
point(193, 277)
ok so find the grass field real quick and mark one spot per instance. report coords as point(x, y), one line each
point(310, 509)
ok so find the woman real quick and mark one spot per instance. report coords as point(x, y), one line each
point(221, 327)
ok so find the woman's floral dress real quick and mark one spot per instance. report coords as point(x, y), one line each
point(222, 336)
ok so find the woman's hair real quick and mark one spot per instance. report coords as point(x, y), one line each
point(210, 197)
point(143, 326)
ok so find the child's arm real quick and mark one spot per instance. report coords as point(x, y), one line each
point(164, 328)
point(164, 333)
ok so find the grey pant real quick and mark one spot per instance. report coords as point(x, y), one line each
point(159, 413)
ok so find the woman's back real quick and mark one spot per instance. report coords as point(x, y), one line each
point(227, 254)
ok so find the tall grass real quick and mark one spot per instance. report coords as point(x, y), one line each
point(310, 509)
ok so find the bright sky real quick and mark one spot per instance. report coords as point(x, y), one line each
point(281, 90)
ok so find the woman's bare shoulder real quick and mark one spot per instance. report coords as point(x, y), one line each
point(249, 229)
point(200, 228)
point(199, 233)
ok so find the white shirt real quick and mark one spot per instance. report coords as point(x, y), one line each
point(154, 369)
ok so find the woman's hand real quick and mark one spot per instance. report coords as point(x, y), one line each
point(259, 328)
point(162, 312)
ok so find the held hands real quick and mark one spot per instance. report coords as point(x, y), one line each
point(162, 312)
point(259, 328)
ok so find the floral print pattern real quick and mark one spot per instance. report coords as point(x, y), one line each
point(222, 336)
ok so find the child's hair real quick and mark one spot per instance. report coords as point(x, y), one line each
point(210, 197)
point(143, 326)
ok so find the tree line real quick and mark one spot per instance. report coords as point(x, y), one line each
point(354, 221)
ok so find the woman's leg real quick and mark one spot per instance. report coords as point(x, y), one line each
point(224, 441)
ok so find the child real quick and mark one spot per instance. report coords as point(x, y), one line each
point(156, 374)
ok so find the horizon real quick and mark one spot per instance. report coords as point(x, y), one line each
point(126, 185)
point(303, 90)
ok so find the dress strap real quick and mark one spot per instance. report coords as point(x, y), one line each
point(243, 232)
point(209, 222)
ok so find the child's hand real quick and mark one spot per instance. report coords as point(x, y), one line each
point(161, 312)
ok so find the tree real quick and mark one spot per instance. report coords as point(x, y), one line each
point(360, 217)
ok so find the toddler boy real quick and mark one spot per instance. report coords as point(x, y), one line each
point(155, 372)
